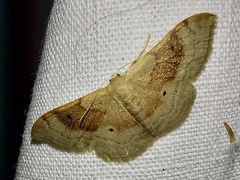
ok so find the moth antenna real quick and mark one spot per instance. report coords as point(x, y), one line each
point(141, 53)
point(114, 14)
point(110, 15)
point(144, 48)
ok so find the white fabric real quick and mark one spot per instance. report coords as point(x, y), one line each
point(74, 64)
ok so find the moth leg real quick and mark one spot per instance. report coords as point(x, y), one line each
point(138, 58)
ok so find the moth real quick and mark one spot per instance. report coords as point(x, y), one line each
point(154, 97)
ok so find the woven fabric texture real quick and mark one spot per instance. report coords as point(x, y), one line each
point(81, 51)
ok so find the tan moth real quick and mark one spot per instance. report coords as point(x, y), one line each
point(154, 97)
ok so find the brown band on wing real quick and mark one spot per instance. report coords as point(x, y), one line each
point(166, 69)
point(71, 118)
point(92, 120)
